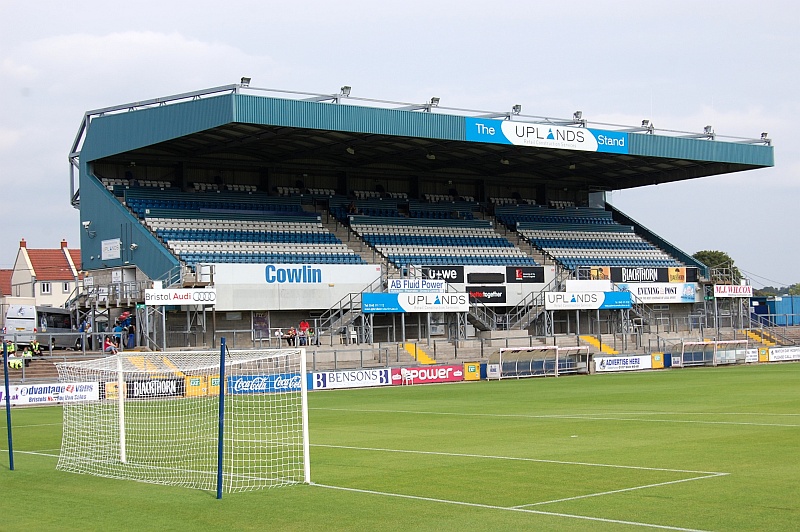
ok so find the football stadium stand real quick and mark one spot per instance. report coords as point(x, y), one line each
point(294, 206)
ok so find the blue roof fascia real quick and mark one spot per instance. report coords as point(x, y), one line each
point(122, 132)
point(701, 150)
point(350, 118)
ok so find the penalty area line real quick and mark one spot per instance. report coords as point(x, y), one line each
point(506, 509)
point(623, 490)
point(520, 459)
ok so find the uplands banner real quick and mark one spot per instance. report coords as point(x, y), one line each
point(37, 394)
point(586, 300)
point(413, 302)
point(430, 374)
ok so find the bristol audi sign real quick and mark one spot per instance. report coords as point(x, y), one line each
point(180, 296)
point(430, 374)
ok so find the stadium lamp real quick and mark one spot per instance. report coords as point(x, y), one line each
point(350, 150)
point(504, 161)
point(434, 102)
point(430, 156)
point(344, 92)
point(517, 109)
point(245, 82)
point(577, 118)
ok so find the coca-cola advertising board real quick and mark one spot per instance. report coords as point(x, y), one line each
point(430, 374)
point(280, 382)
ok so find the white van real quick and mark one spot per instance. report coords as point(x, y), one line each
point(52, 326)
point(21, 324)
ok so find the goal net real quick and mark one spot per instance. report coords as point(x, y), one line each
point(158, 419)
point(537, 361)
point(709, 353)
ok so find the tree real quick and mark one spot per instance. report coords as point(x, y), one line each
point(720, 265)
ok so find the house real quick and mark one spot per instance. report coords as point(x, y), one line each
point(48, 276)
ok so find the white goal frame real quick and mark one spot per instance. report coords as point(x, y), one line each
point(184, 419)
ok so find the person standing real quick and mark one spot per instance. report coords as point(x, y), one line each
point(131, 336)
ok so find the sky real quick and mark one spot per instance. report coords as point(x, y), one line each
point(681, 64)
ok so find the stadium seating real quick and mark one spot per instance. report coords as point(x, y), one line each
point(406, 241)
point(577, 245)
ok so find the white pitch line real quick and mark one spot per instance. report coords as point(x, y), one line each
point(15, 426)
point(520, 459)
point(37, 453)
point(566, 499)
point(661, 412)
point(586, 417)
point(507, 509)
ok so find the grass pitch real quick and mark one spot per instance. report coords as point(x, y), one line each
point(700, 449)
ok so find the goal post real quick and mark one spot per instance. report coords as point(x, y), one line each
point(159, 419)
point(537, 361)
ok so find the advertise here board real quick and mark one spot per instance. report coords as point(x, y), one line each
point(608, 364)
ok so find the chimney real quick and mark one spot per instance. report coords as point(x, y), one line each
point(22, 243)
point(63, 244)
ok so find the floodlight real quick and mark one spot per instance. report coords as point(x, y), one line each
point(708, 130)
point(765, 136)
point(245, 82)
point(577, 116)
point(435, 101)
point(517, 109)
point(504, 161)
point(351, 150)
point(645, 123)
point(345, 91)
point(430, 156)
